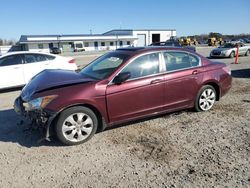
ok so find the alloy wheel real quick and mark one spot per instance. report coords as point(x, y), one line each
point(77, 127)
point(207, 99)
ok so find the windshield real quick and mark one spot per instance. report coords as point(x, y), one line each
point(228, 45)
point(104, 66)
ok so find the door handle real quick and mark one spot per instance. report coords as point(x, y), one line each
point(16, 67)
point(195, 72)
point(155, 81)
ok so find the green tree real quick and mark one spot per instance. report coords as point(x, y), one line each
point(216, 35)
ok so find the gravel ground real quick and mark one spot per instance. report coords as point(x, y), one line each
point(182, 149)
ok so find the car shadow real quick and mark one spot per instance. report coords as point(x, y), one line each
point(142, 120)
point(241, 73)
point(14, 129)
point(214, 58)
point(17, 130)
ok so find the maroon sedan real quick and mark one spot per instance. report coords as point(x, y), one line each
point(120, 86)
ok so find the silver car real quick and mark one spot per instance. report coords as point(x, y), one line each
point(229, 50)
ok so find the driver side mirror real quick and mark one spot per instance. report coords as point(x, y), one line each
point(122, 77)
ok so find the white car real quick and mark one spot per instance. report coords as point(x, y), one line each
point(229, 50)
point(17, 68)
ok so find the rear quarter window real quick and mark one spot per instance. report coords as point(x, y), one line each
point(194, 60)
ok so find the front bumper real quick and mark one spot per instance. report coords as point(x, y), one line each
point(41, 118)
point(220, 54)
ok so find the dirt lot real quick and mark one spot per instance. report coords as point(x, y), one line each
point(182, 149)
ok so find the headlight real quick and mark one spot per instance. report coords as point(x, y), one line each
point(40, 103)
point(223, 52)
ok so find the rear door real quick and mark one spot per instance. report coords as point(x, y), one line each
point(142, 94)
point(242, 49)
point(11, 71)
point(35, 63)
point(183, 78)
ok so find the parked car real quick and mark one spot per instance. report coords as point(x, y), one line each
point(55, 50)
point(78, 46)
point(120, 86)
point(173, 43)
point(17, 68)
point(229, 50)
point(247, 40)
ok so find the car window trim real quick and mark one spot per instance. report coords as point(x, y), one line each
point(199, 65)
point(134, 58)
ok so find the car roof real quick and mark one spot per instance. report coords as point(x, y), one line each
point(136, 50)
point(25, 52)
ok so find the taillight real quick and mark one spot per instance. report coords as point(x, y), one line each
point(72, 61)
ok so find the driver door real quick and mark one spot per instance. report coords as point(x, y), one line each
point(141, 94)
point(11, 71)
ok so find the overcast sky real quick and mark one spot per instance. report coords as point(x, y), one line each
point(80, 16)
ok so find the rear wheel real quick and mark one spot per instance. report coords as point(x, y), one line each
point(232, 55)
point(205, 98)
point(76, 125)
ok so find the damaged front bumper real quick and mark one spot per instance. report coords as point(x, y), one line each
point(42, 118)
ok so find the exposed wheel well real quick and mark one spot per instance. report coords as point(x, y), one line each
point(217, 89)
point(101, 122)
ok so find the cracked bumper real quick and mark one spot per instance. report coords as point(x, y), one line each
point(42, 117)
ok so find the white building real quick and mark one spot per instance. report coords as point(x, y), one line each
point(107, 41)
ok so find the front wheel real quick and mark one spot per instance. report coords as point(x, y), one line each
point(205, 98)
point(76, 125)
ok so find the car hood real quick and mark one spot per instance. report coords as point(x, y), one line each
point(222, 49)
point(51, 79)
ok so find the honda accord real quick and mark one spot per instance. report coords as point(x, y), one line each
point(120, 86)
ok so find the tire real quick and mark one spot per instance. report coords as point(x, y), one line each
point(247, 53)
point(205, 99)
point(232, 55)
point(72, 131)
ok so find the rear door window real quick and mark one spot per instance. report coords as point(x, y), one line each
point(29, 58)
point(180, 60)
point(33, 58)
point(49, 57)
point(40, 57)
point(11, 60)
